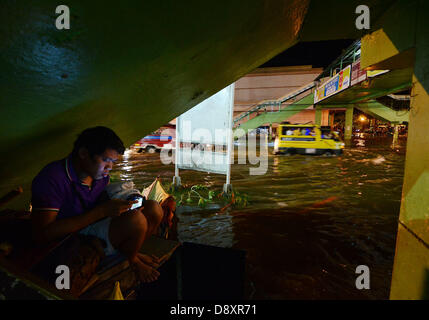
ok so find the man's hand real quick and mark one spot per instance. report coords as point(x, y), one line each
point(115, 207)
point(47, 228)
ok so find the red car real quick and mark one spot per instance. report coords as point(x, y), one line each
point(165, 137)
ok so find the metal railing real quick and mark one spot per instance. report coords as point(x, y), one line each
point(272, 103)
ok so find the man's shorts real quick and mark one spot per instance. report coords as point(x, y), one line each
point(100, 229)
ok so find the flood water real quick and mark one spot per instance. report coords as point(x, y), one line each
point(310, 222)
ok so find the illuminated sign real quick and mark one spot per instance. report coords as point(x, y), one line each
point(334, 85)
point(358, 75)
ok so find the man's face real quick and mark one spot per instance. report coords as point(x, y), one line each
point(99, 166)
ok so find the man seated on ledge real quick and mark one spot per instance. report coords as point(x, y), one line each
point(68, 196)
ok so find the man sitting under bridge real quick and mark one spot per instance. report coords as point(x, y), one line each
point(69, 196)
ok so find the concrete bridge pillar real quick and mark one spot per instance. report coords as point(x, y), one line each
point(395, 134)
point(318, 118)
point(348, 126)
point(331, 119)
point(410, 278)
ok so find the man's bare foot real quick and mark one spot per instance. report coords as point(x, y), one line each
point(152, 261)
point(145, 272)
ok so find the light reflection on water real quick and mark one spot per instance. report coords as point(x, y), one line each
point(310, 222)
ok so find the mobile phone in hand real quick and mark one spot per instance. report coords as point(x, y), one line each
point(138, 204)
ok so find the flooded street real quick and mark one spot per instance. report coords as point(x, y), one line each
point(311, 220)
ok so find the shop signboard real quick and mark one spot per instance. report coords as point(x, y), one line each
point(358, 75)
point(334, 85)
point(374, 73)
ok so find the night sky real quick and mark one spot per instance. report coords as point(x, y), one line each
point(319, 54)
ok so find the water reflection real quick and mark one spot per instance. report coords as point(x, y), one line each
point(209, 228)
point(360, 143)
point(310, 222)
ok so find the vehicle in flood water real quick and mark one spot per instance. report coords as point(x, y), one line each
point(307, 139)
point(165, 137)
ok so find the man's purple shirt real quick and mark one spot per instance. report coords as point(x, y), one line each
point(57, 188)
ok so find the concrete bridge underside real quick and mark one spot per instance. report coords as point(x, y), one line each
point(134, 66)
point(381, 112)
point(370, 107)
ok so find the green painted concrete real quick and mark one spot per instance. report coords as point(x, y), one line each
point(333, 19)
point(411, 266)
point(318, 116)
point(348, 127)
point(395, 135)
point(410, 270)
point(381, 112)
point(275, 117)
point(132, 66)
point(392, 33)
point(395, 80)
point(377, 92)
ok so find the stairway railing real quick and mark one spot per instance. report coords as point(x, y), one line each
point(271, 103)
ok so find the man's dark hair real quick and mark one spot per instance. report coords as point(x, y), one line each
point(96, 140)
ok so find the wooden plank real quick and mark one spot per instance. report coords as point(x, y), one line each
point(102, 291)
point(159, 247)
point(110, 272)
point(32, 282)
point(91, 281)
point(103, 286)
